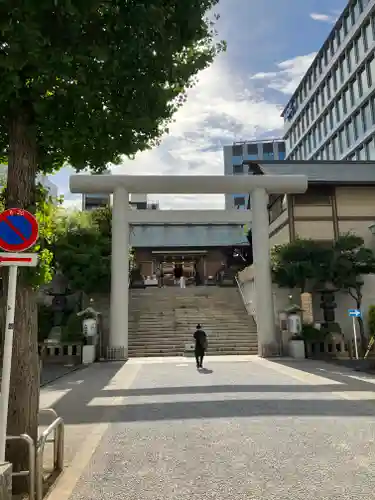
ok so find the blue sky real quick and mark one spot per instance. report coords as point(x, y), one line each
point(271, 43)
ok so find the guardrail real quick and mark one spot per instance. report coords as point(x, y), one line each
point(31, 456)
point(57, 428)
point(241, 291)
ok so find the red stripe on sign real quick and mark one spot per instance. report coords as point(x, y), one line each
point(15, 259)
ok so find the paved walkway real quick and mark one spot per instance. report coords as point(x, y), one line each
point(246, 428)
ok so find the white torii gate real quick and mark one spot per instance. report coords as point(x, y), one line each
point(259, 187)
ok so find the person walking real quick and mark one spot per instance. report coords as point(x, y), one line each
point(200, 345)
point(158, 276)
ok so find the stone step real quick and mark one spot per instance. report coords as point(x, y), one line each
point(189, 340)
point(145, 354)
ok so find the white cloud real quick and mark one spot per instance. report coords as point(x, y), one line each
point(220, 109)
point(288, 75)
point(324, 18)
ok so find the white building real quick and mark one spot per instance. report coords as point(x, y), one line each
point(235, 154)
point(331, 115)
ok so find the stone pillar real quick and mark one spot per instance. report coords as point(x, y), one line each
point(267, 343)
point(118, 339)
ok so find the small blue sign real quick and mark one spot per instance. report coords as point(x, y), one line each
point(354, 313)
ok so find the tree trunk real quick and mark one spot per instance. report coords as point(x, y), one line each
point(24, 389)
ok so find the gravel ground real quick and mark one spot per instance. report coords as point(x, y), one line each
point(240, 430)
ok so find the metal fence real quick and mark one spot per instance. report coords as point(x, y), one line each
point(30, 473)
point(36, 453)
point(57, 429)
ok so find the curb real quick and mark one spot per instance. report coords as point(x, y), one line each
point(62, 375)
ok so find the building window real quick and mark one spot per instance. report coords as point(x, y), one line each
point(342, 145)
point(339, 109)
point(357, 124)
point(239, 201)
point(355, 11)
point(237, 150)
point(371, 68)
point(371, 150)
point(364, 81)
point(335, 147)
point(361, 154)
point(252, 149)
point(331, 118)
point(329, 88)
point(367, 116)
point(268, 156)
point(360, 47)
point(325, 124)
point(319, 127)
point(346, 102)
point(322, 96)
point(344, 69)
point(268, 147)
point(237, 169)
point(350, 133)
point(351, 58)
point(346, 23)
point(355, 91)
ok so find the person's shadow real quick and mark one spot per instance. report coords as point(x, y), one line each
point(205, 371)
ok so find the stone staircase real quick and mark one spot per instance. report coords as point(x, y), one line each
point(162, 321)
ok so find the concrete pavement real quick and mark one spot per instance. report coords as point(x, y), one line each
point(244, 428)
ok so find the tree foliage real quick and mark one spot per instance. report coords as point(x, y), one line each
point(96, 79)
point(82, 249)
point(305, 261)
point(299, 263)
point(85, 82)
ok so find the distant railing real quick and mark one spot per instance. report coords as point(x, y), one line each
point(329, 348)
point(56, 352)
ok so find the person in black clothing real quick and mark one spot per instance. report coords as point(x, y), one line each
point(200, 345)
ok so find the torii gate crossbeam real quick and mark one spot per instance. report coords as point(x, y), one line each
point(259, 186)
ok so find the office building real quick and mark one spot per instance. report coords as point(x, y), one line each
point(331, 115)
point(141, 202)
point(93, 201)
point(234, 155)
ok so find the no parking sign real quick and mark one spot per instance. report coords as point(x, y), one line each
point(18, 232)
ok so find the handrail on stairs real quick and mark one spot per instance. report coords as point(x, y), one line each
point(241, 291)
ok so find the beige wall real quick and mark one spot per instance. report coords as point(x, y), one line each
point(355, 201)
point(312, 211)
point(320, 230)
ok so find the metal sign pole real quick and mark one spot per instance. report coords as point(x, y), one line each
point(7, 358)
point(355, 337)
